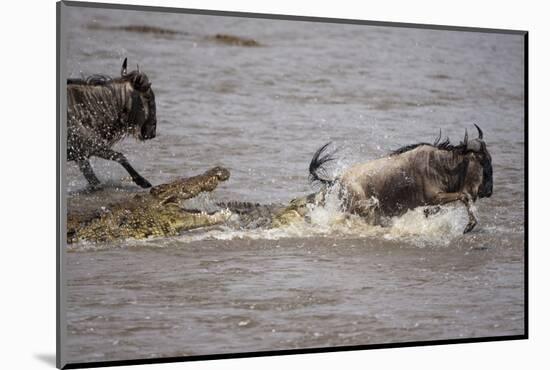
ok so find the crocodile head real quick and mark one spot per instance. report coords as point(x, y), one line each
point(186, 188)
point(143, 215)
point(221, 173)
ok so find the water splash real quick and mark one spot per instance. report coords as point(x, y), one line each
point(440, 228)
point(327, 220)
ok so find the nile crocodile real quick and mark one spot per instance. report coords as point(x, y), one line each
point(156, 213)
point(161, 212)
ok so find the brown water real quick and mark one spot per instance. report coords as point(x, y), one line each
point(262, 112)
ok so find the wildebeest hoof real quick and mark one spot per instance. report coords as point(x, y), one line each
point(142, 182)
point(470, 226)
point(95, 186)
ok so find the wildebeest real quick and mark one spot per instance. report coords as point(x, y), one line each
point(415, 175)
point(103, 110)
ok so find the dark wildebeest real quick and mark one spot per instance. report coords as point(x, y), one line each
point(415, 175)
point(101, 111)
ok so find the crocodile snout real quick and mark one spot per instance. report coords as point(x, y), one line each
point(221, 173)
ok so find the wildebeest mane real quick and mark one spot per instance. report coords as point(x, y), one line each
point(101, 79)
point(93, 80)
point(444, 145)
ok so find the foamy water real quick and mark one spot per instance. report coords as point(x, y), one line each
point(327, 219)
point(262, 112)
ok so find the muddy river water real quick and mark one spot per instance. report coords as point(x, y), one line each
point(262, 112)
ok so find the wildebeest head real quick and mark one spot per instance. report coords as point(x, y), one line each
point(480, 163)
point(144, 110)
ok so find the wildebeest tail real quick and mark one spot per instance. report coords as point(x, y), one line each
point(317, 172)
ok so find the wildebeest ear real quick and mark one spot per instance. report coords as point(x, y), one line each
point(123, 69)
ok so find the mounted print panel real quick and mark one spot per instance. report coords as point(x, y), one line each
point(238, 185)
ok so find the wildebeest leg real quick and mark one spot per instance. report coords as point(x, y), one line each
point(472, 218)
point(356, 201)
point(369, 209)
point(120, 158)
point(88, 172)
point(466, 199)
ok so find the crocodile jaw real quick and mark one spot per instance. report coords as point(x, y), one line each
point(189, 221)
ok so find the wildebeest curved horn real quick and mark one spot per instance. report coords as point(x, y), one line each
point(466, 137)
point(123, 69)
point(438, 138)
point(479, 132)
point(138, 68)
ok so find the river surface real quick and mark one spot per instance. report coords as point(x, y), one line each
point(262, 112)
